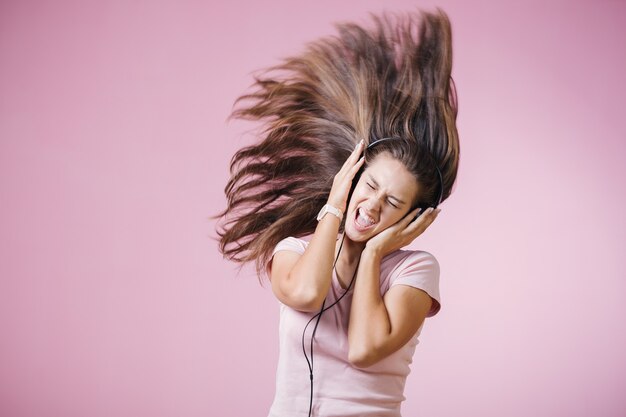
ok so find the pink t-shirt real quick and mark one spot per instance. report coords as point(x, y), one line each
point(341, 389)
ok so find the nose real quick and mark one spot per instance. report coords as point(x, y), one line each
point(373, 203)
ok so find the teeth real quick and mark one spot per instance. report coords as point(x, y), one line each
point(364, 220)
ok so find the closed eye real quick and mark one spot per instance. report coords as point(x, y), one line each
point(373, 187)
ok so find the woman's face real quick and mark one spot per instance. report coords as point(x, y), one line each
point(384, 195)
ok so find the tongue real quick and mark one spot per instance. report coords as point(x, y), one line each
point(362, 221)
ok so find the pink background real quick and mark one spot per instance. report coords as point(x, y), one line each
point(114, 150)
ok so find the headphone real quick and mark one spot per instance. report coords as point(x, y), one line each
point(318, 316)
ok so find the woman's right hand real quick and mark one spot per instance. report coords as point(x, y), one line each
point(302, 281)
point(343, 179)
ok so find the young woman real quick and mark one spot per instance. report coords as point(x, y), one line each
point(359, 148)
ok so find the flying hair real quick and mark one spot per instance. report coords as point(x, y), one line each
point(391, 78)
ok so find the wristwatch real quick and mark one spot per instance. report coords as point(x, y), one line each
point(329, 209)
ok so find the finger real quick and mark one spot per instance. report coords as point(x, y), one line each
point(431, 212)
point(358, 149)
point(422, 217)
point(423, 212)
point(355, 168)
point(352, 159)
point(424, 220)
point(349, 174)
point(412, 215)
point(404, 222)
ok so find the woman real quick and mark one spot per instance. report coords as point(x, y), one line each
point(359, 135)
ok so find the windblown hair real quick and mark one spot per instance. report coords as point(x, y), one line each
point(390, 80)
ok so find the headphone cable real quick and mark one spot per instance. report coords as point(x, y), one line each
point(319, 316)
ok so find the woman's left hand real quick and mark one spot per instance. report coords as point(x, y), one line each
point(403, 232)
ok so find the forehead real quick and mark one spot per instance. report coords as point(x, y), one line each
point(392, 175)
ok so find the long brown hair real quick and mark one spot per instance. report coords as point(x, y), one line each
point(390, 79)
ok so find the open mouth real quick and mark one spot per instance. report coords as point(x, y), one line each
point(363, 221)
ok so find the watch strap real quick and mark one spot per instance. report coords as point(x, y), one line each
point(329, 209)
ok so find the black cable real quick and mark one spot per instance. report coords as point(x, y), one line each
point(319, 316)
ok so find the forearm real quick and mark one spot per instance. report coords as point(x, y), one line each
point(310, 278)
point(369, 320)
point(308, 281)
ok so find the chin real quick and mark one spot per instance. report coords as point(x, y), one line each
point(355, 237)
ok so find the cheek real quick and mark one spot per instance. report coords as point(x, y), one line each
point(352, 203)
point(396, 216)
point(357, 196)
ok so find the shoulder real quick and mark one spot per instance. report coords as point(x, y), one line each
point(291, 244)
point(288, 244)
point(413, 259)
point(418, 269)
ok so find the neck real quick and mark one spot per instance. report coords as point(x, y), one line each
point(350, 251)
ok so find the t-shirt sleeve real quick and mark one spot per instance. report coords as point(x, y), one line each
point(289, 243)
point(420, 270)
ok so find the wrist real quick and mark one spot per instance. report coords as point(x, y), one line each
point(338, 205)
point(373, 251)
point(329, 209)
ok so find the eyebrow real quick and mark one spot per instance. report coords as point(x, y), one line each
point(376, 184)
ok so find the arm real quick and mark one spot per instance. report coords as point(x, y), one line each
point(380, 326)
point(302, 281)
